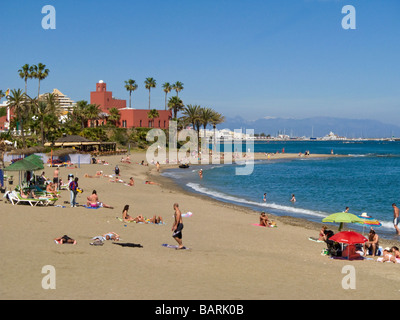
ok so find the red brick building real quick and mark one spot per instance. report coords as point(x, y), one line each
point(129, 117)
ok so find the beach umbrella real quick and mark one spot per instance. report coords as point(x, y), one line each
point(348, 237)
point(368, 221)
point(342, 217)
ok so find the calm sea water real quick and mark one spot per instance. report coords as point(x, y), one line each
point(366, 181)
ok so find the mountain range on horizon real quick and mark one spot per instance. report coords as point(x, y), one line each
point(314, 127)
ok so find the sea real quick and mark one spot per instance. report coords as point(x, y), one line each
point(366, 180)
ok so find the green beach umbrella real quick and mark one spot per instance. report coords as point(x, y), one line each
point(343, 217)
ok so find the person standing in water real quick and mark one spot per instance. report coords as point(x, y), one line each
point(396, 218)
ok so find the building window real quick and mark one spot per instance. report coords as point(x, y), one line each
point(159, 123)
point(164, 124)
point(140, 123)
point(124, 123)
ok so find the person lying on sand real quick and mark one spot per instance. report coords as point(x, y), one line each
point(151, 182)
point(117, 180)
point(156, 220)
point(64, 240)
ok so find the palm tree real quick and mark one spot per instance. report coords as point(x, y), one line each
point(206, 114)
point(217, 118)
point(2, 94)
point(130, 86)
point(175, 104)
point(177, 86)
point(17, 101)
point(192, 115)
point(92, 112)
point(150, 83)
point(114, 116)
point(46, 110)
point(167, 89)
point(79, 113)
point(26, 72)
point(40, 72)
point(152, 114)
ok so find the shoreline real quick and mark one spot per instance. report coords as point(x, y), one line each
point(287, 219)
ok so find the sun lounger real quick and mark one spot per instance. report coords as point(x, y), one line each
point(15, 198)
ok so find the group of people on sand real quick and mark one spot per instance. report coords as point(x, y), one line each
point(98, 240)
point(139, 219)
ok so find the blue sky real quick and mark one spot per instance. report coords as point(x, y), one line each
point(255, 58)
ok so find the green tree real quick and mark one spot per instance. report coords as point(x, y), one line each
point(216, 119)
point(192, 115)
point(149, 84)
point(167, 88)
point(92, 113)
point(152, 114)
point(26, 72)
point(177, 86)
point(130, 86)
point(175, 104)
point(40, 72)
point(114, 116)
point(17, 102)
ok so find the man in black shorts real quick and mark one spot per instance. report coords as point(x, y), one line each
point(178, 226)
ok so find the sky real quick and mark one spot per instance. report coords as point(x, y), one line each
point(253, 58)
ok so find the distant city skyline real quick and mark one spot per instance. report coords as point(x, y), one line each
point(254, 59)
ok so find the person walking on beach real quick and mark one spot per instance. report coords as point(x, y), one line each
point(396, 218)
point(55, 178)
point(73, 187)
point(178, 226)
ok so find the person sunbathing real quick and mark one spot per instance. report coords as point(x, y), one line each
point(264, 221)
point(131, 182)
point(151, 182)
point(107, 236)
point(125, 216)
point(93, 201)
point(156, 220)
point(30, 195)
point(51, 189)
point(388, 256)
point(139, 218)
point(65, 240)
point(117, 180)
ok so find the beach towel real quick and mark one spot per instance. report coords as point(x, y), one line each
point(315, 239)
point(90, 207)
point(173, 246)
point(259, 225)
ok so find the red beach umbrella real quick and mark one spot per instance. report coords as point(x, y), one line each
point(349, 237)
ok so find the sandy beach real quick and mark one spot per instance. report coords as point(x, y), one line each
point(229, 258)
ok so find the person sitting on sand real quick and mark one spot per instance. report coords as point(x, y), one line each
point(322, 236)
point(395, 251)
point(64, 240)
point(131, 182)
point(372, 243)
point(93, 201)
point(125, 216)
point(264, 221)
